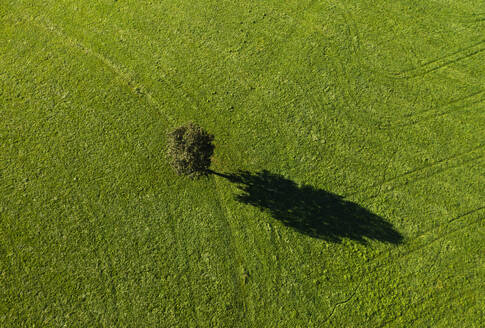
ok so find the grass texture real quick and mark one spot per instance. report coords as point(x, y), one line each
point(349, 165)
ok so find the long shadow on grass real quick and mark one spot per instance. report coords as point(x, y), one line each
point(314, 212)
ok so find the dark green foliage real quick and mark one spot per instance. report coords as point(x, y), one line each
point(190, 149)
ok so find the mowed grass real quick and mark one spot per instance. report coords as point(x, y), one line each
point(379, 102)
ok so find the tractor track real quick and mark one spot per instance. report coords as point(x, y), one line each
point(135, 87)
point(238, 281)
point(420, 301)
point(420, 247)
point(420, 173)
point(441, 62)
point(450, 107)
point(433, 261)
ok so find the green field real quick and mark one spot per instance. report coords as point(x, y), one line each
point(350, 160)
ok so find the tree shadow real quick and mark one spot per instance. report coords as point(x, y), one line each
point(314, 212)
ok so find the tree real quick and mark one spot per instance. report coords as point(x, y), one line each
point(190, 149)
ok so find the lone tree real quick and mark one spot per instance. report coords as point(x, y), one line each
point(190, 149)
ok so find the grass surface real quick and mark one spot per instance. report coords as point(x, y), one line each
point(381, 103)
